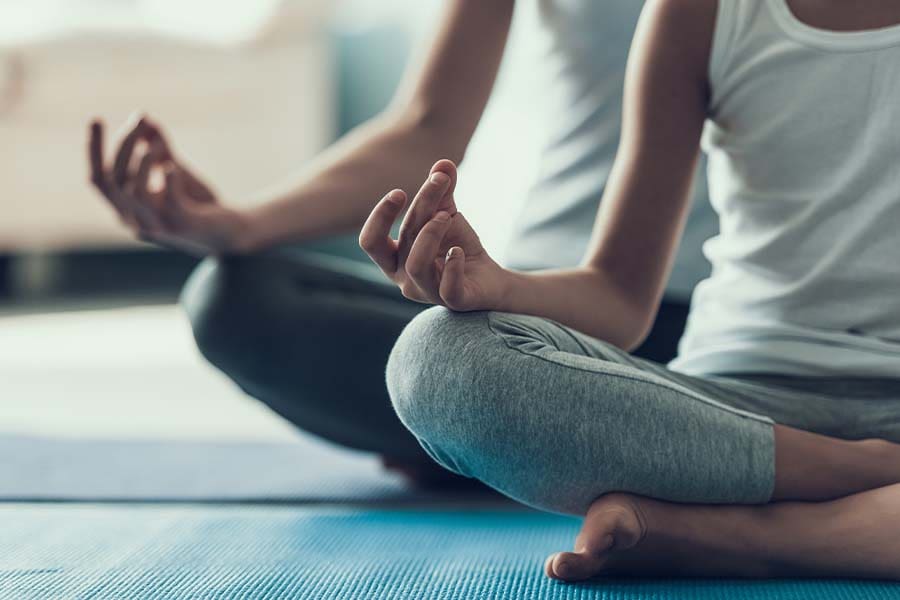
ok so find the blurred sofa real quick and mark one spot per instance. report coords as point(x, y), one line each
point(246, 114)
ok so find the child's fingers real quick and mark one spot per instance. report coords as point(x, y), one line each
point(422, 209)
point(420, 262)
point(448, 167)
point(452, 286)
point(375, 236)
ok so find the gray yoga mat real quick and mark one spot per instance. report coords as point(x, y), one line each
point(306, 470)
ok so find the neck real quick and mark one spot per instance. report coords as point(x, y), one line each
point(846, 15)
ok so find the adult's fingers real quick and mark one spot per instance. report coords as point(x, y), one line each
point(192, 184)
point(421, 211)
point(420, 263)
point(124, 153)
point(452, 286)
point(100, 176)
point(139, 185)
point(176, 197)
point(95, 156)
point(137, 199)
point(375, 236)
point(154, 135)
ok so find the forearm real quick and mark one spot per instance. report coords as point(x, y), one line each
point(433, 116)
point(337, 191)
point(582, 298)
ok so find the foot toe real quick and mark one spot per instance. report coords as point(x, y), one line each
point(575, 566)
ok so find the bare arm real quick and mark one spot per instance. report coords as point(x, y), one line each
point(615, 294)
point(434, 114)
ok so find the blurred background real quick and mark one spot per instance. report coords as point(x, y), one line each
point(92, 344)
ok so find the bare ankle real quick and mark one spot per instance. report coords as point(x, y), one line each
point(813, 467)
point(882, 459)
point(881, 450)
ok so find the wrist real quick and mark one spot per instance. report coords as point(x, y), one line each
point(246, 231)
point(508, 290)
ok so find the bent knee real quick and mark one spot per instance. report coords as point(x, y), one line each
point(483, 408)
point(427, 359)
point(437, 377)
point(219, 299)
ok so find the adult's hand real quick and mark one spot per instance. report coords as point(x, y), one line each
point(438, 257)
point(158, 198)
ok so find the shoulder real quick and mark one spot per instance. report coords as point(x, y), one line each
point(685, 20)
point(682, 28)
point(685, 13)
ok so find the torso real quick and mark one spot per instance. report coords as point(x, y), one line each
point(803, 147)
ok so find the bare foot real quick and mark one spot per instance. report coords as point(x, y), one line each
point(615, 525)
point(624, 534)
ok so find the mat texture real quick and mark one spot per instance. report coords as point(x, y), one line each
point(303, 470)
point(149, 553)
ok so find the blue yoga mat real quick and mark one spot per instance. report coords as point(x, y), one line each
point(143, 553)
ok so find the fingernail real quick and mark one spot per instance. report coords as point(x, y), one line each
point(453, 252)
point(395, 197)
point(439, 178)
point(442, 216)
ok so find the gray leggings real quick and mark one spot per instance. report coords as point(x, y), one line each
point(554, 418)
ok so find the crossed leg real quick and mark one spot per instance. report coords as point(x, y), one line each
point(705, 485)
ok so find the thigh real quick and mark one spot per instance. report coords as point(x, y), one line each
point(842, 407)
point(309, 335)
point(572, 349)
point(838, 407)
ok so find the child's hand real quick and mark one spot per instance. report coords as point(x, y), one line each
point(438, 258)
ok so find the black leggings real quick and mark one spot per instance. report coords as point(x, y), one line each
point(309, 335)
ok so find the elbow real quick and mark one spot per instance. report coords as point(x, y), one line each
point(634, 309)
point(632, 327)
point(637, 332)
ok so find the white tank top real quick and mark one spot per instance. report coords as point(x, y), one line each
point(584, 47)
point(804, 171)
